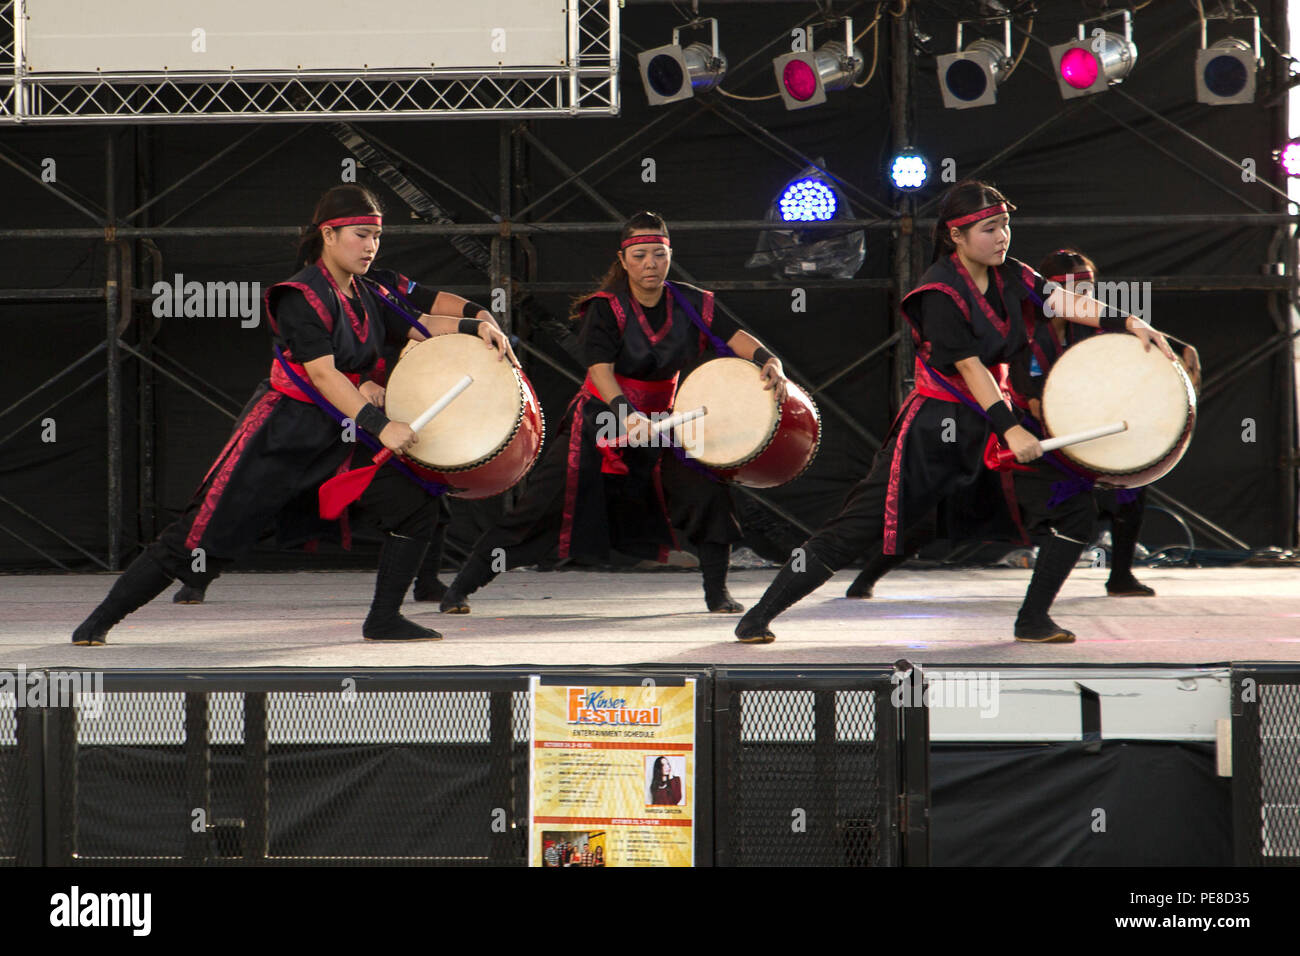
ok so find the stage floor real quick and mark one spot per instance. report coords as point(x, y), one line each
point(1200, 616)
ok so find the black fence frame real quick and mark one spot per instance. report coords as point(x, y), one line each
point(38, 803)
point(38, 776)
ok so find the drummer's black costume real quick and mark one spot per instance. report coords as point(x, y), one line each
point(585, 501)
point(937, 442)
point(285, 445)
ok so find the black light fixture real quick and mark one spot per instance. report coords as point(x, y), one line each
point(1094, 63)
point(970, 77)
point(1225, 70)
point(804, 78)
point(673, 72)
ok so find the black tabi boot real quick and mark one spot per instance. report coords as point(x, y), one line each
point(876, 569)
point(787, 588)
point(427, 585)
point(476, 573)
point(188, 594)
point(714, 561)
point(1124, 534)
point(1055, 561)
point(399, 560)
point(139, 584)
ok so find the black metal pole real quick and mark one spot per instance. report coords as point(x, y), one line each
point(113, 386)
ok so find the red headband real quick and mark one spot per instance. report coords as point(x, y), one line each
point(352, 221)
point(1084, 276)
point(637, 240)
point(977, 216)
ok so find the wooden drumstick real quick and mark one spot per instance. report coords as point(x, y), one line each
point(1006, 455)
point(437, 407)
point(341, 490)
point(658, 428)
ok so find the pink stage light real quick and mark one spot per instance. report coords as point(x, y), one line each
point(800, 80)
point(1079, 68)
point(1291, 158)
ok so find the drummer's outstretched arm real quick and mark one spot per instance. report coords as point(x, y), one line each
point(347, 398)
point(1085, 310)
point(751, 349)
point(448, 303)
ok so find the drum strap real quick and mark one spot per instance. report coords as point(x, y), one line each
point(719, 347)
point(398, 303)
point(312, 395)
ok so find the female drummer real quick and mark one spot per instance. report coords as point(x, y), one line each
point(1030, 493)
point(968, 318)
point(1125, 506)
point(585, 498)
point(301, 426)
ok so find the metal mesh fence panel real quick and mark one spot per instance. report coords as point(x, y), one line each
point(1266, 766)
point(804, 777)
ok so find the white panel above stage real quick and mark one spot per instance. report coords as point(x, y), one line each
point(153, 36)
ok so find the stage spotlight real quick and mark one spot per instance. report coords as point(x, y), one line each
point(671, 73)
point(808, 200)
point(804, 78)
point(812, 196)
point(970, 77)
point(1289, 156)
point(909, 170)
point(1090, 65)
point(1225, 70)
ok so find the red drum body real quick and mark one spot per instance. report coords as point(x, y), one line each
point(1111, 378)
point(489, 437)
point(746, 437)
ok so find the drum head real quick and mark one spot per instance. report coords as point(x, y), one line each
point(478, 423)
point(1111, 378)
point(742, 416)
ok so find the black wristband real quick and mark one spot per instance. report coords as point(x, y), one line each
point(371, 419)
point(1002, 418)
point(761, 357)
point(471, 309)
point(1113, 323)
point(469, 326)
point(622, 407)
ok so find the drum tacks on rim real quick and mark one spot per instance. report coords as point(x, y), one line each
point(1110, 378)
point(746, 438)
point(489, 437)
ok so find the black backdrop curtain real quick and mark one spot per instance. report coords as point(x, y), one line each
point(1083, 164)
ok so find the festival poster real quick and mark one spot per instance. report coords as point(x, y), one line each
point(613, 775)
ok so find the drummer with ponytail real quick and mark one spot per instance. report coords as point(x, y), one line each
point(588, 496)
point(970, 315)
point(330, 322)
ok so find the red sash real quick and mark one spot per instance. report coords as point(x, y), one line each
point(648, 397)
point(282, 383)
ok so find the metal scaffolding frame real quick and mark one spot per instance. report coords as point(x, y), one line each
point(587, 85)
point(508, 262)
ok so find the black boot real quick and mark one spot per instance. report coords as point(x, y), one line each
point(788, 587)
point(188, 594)
point(880, 565)
point(1056, 560)
point(476, 573)
point(139, 584)
point(398, 561)
point(427, 585)
point(714, 561)
point(876, 569)
point(1124, 533)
